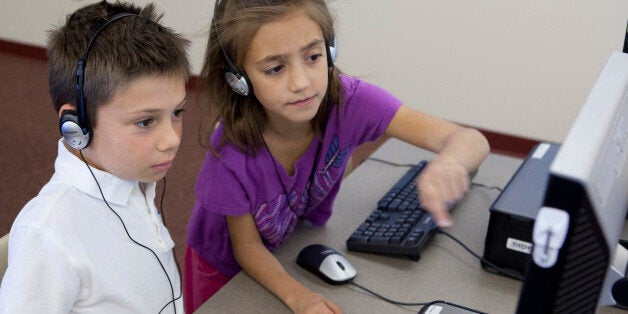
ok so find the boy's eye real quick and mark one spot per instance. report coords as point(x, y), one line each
point(144, 123)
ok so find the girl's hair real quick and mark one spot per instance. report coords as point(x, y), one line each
point(235, 24)
point(129, 49)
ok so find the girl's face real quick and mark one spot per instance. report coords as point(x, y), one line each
point(138, 132)
point(287, 66)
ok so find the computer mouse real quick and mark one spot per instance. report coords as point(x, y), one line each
point(326, 263)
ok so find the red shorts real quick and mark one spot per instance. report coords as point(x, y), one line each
point(200, 280)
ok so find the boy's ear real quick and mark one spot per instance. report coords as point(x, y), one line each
point(70, 128)
point(66, 107)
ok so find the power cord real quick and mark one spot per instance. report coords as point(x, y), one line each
point(483, 260)
point(482, 185)
point(133, 240)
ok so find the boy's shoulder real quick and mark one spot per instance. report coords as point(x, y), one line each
point(52, 205)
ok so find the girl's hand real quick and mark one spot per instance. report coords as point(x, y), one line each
point(443, 182)
point(309, 302)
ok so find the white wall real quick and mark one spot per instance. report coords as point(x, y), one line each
point(521, 67)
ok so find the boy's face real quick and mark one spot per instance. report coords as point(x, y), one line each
point(138, 132)
point(287, 65)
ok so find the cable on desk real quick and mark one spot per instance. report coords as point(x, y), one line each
point(411, 165)
point(390, 162)
point(505, 271)
point(385, 298)
point(423, 305)
point(481, 185)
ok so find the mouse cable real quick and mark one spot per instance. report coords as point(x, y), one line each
point(131, 238)
point(422, 304)
point(481, 185)
point(482, 259)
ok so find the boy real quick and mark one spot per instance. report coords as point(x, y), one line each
point(93, 240)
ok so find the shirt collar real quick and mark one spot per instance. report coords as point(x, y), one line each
point(74, 171)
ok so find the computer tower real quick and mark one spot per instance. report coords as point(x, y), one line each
point(508, 240)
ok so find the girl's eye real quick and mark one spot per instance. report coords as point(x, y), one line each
point(178, 113)
point(144, 123)
point(315, 57)
point(274, 70)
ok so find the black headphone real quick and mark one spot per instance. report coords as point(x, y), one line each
point(239, 82)
point(74, 124)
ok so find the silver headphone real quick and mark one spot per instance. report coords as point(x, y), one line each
point(239, 83)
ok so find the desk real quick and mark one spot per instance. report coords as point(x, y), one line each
point(445, 271)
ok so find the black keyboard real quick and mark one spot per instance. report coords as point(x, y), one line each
point(398, 225)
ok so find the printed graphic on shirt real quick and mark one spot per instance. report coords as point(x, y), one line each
point(275, 219)
point(335, 156)
point(325, 179)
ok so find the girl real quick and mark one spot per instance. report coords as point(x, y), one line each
point(287, 123)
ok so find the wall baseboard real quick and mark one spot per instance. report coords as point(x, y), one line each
point(23, 50)
point(500, 143)
point(509, 145)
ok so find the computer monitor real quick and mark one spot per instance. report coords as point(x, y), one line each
point(577, 264)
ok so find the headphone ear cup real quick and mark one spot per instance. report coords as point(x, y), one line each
point(238, 83)
point(72, 131)
point(332, 52)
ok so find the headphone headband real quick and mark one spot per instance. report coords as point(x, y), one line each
point(75, 127)
point(80, 71)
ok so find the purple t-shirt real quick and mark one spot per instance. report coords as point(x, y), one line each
point(236, 183)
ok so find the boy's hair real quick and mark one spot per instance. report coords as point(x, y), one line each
point(126, 50)
point(235, 24)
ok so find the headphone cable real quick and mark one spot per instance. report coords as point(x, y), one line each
point(131, 238)
point(163, 219)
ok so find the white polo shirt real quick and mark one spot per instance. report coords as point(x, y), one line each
point(68, 252)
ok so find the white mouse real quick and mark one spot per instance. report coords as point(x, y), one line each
point(326, 263)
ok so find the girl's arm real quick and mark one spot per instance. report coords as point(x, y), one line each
point(261, 265)
point(460, 151)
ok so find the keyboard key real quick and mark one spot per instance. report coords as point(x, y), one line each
point(379, 240)
point(398, 224)
point(359, 238)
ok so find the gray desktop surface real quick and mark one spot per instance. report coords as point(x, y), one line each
point(445, 271)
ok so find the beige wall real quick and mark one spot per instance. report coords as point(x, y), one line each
point(521, 67)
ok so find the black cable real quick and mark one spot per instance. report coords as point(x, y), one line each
point(449, 303)
point(505, 271)
point(412, 165)
point(486, 186)
point(390, 162)
point(163, 220)
point(130, 237)
point(385, 298)
point(422, 304)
